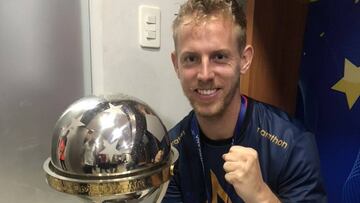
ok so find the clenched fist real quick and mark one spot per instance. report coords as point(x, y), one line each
point(242, 170)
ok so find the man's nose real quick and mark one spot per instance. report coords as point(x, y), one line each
point(205, 71)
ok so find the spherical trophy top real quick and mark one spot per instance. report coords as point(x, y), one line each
point(109, 148)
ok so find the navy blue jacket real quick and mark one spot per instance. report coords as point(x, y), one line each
point(287, 154)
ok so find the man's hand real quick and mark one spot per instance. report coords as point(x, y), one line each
point(242, 170)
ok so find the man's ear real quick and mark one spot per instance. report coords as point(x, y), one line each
point(174, 61)
point(246, 58)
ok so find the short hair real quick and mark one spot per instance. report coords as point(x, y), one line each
point(202, 10)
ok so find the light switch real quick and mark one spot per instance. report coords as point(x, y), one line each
point(151, 19)
point(150, 35)
point(149, 26)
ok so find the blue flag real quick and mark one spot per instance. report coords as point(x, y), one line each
point(329, 90)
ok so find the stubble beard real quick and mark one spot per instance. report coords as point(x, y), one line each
point(218, 108)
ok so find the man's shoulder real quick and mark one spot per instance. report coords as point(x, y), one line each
point(280, 129)
point(177, 132)
point(275, 115)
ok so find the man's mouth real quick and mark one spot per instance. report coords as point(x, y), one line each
point(206, 92)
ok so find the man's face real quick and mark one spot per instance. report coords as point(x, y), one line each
point(207, 62)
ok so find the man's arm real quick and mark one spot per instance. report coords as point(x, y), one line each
point(301, 178)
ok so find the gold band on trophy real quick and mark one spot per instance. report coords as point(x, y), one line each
point(98, 188)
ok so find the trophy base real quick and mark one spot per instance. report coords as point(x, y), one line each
point(128, 188)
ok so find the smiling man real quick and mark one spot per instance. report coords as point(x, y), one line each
point(231, 147)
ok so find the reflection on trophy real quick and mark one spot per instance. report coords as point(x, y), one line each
point(110, 149)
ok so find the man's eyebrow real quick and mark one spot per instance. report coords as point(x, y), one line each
point(185, 53)
point(226, 51)
point(221, 51)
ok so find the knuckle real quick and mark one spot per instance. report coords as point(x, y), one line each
point(253, 153)
point(235, 148)
point(228, 177)
point(225, 166)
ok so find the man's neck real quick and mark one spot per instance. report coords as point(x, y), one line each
point(221, 126)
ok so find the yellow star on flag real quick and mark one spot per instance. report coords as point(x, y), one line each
point(350, 83)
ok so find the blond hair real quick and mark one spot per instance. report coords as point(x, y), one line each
point(202, 10)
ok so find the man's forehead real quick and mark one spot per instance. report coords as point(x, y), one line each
point(201, 23)
point(196, 28)
point(198, 20)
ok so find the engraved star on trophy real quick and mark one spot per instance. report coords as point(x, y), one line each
point(110, 149)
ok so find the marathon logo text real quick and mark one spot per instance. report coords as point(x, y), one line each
point(273, 138)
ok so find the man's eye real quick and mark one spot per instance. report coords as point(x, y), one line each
point(221, 58)
point(189, 60)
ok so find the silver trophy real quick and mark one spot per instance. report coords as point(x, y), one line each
point(110, 149)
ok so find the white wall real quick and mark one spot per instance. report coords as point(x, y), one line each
point(45, 66)
point(120, 65)
point(43, 55)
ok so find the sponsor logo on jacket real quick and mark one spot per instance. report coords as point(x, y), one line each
point(177, 140)
point(273, 138)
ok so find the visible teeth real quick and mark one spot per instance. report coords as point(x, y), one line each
point(206, 92)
